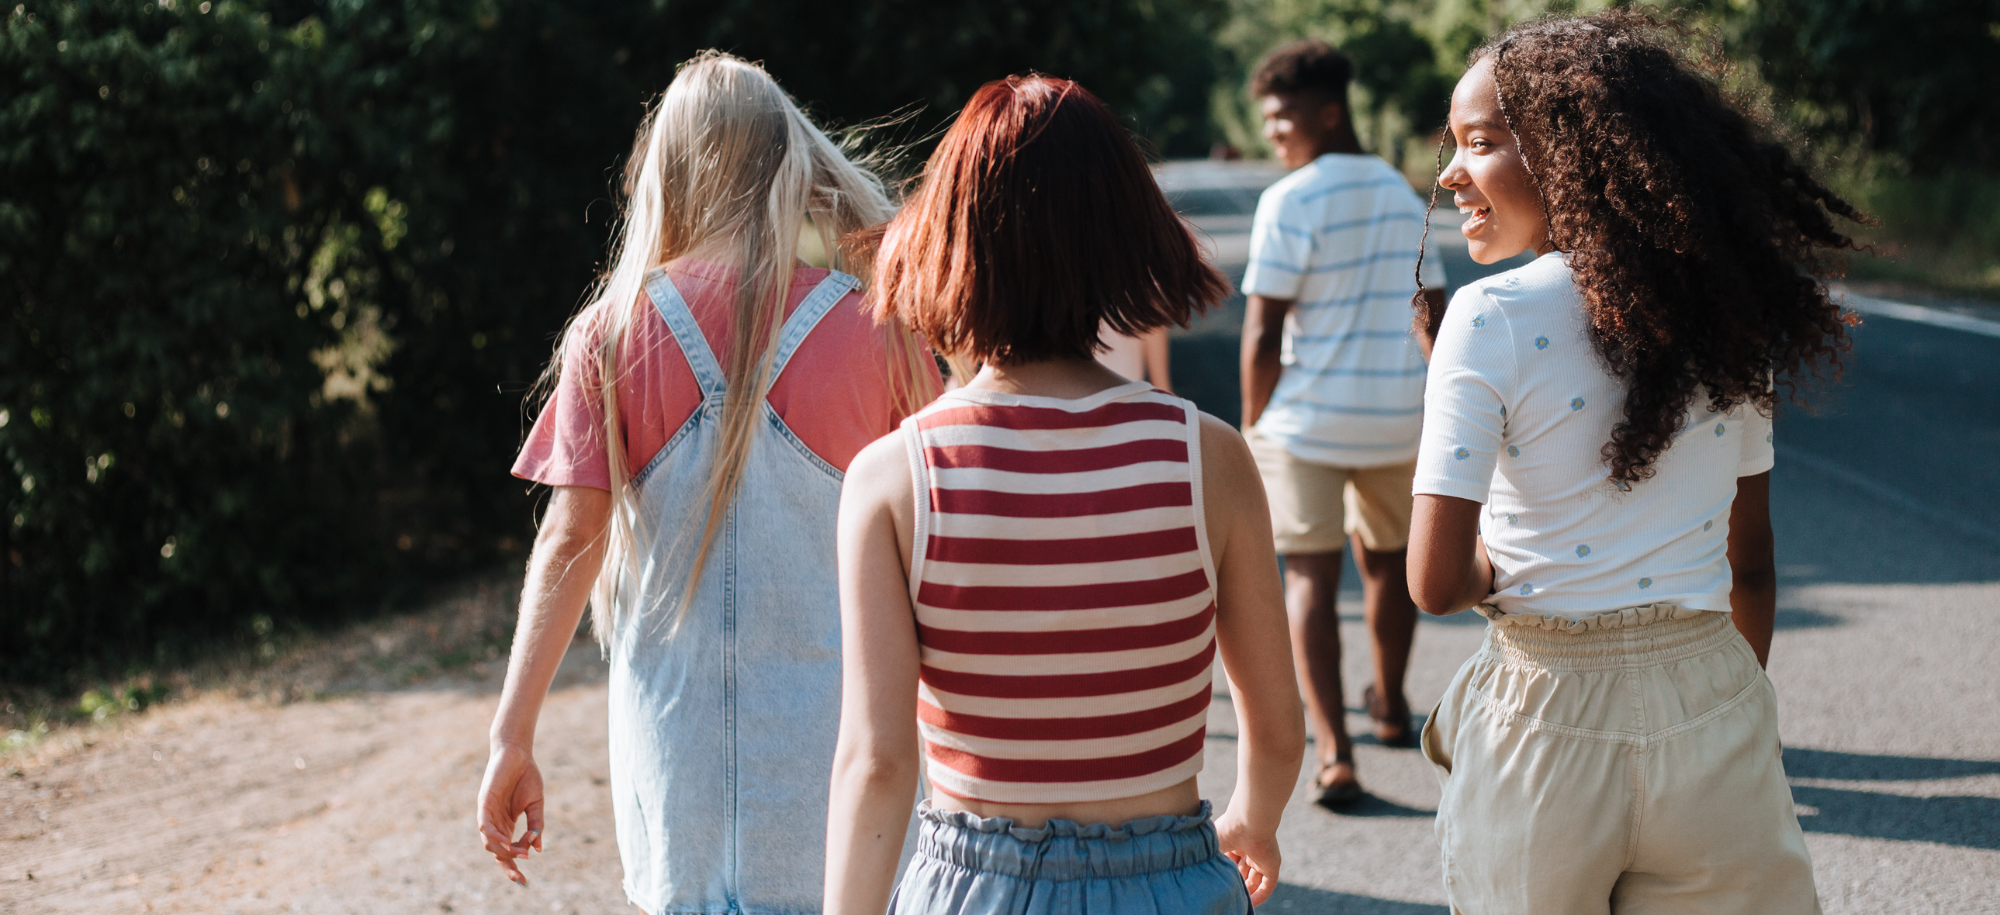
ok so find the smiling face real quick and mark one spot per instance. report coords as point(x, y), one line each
point(1300, 125)
point(1486, 176)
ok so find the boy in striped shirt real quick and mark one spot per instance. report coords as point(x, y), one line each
point(1333, 387)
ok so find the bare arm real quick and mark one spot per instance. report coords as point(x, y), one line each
point(1155, 342)
point(875, 760)
point(1263, 338)
point(1448, 568)
point(569, 549)
point(1753, 592)
point(1256, 650)
point(1429, 318)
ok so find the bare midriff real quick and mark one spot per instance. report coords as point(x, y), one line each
point(1183, 799)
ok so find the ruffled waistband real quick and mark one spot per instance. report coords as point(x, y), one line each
point(1064, 849)
point(1631, 637)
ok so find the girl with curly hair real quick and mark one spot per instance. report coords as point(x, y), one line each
point(1594, 475)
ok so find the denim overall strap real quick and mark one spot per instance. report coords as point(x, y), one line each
point(815, 306)
point(687, 332)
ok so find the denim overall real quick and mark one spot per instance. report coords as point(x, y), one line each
point(722, 730)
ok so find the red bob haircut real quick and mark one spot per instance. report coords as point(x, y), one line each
point(1036, 220)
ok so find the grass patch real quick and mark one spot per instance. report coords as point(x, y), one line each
point(1939, 232)
point(463, 629)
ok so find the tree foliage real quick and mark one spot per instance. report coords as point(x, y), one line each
point(1904, 81)
point(276, 276)
point(1407, 56)
point(1911, 80)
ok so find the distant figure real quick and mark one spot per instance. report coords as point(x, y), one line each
point(708, 399)
point(1595, 477)
point(1140, 358)
point(1038, 571)
point(1333, 389)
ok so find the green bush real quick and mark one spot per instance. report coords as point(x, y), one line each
point(1910, 81)
point(1892, 101)
point(1406, 53)
point(1940, 231)
point(166, 445)
point(277, 275)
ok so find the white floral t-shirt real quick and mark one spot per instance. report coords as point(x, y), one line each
point(1517, 410)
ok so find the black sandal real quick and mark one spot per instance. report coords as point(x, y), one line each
point(1391, 729)
point(1338, 795)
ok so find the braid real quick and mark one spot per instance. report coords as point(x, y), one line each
point(1430, 322)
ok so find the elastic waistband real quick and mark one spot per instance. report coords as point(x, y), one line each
point(1065, 850)
point(1633, 637)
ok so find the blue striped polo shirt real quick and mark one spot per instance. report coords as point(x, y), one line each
point(1339, 237)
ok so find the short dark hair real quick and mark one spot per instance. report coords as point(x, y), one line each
point(1037, 221)
point(1306, 65)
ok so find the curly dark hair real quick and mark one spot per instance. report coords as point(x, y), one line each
point(1697, 241)
point(1306, 65)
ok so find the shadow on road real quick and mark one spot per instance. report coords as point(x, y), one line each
point(1300, 900)
point(1833, 764)
point(1969, 822)
point(1805, 618)
point(1373, 807)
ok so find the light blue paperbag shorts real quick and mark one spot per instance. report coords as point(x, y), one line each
point(1164, 865)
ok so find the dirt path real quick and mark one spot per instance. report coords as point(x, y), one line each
point(359, 803)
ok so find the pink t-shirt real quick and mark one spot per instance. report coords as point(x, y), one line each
point(835, 394)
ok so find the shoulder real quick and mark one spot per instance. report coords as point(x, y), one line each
point(1223, 450)
point(1539, 286)
point(847, 332)
point(1299, 179)
point(1288, 190)
point(880, 472)
point(1476, 334)
point(851, 311)
point(1392, 188)
point(1351, 175)
point(1232, 492)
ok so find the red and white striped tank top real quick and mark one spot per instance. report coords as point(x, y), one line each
point(1063, 590)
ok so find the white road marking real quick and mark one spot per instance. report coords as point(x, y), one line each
point(1869, 305)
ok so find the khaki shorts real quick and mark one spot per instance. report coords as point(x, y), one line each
point(1627, 762)
point(1315, 506)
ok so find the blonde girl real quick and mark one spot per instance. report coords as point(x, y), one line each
point(707, 402)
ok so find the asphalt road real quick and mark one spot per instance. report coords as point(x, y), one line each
point(1886, 505)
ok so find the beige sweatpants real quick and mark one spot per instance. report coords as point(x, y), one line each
point(1627, 762)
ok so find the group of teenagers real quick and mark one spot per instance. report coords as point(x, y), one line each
point(879, 643)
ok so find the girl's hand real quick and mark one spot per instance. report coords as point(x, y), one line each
point(1255, 852)
point(513, 787)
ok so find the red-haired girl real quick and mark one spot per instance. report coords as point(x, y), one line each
point(1044, 564)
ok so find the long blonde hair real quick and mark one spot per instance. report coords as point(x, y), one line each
point(726, 165)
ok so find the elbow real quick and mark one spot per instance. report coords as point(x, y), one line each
point(1281, 736)
point(1265, 342)
point(1429, 601)
point(1445, 598)
point(1755, 579)
point(869, 771)
point(1292, 743)
point(1430, 596)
